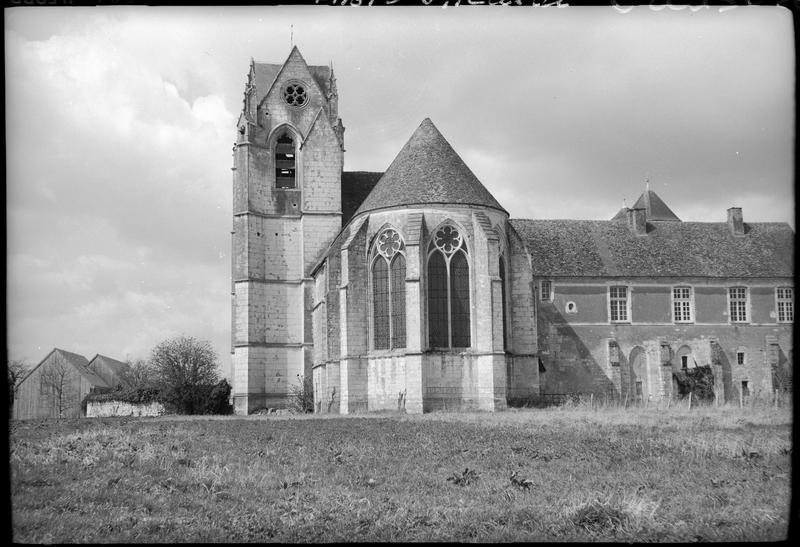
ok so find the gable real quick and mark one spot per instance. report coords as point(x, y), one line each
point(294, 71)
point(72, 360)
point(264, 77)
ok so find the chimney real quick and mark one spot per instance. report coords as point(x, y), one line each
point(735, 222)
point(637, 221)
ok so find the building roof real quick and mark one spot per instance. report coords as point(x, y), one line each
point(76, 360)
point(654, 206)
point(701, 249)
point(427, 171)
point(356, 185)
point(265, 74)
point(118, 368)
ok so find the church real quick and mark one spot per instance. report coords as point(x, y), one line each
point(413, 290)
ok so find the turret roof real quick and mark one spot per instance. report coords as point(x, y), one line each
point(654, 206)
point(427, 171)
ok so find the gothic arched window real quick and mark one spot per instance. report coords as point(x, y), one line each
point(448, 290)
point(389, 291)
point(502, 271)
point(285, 162)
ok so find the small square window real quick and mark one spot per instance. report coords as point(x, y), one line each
point(684, 361)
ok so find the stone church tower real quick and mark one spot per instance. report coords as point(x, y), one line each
point(287, 168)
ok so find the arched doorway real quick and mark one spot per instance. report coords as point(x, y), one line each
point(638, 377)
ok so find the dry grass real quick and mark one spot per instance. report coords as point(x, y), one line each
point(578, 474)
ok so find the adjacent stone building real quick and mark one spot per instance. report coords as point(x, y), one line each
point(412, 289)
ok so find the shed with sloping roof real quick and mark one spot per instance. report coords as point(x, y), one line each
point(55, 387)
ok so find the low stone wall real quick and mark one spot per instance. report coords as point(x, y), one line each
point(118, 408)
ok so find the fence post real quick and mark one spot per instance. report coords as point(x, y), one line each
point(690, 400)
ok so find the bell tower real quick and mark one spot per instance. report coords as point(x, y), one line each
point(287, 170)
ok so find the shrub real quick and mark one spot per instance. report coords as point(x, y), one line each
point(198, 399)
point(301, 396)
point(698, 381)
point(218, 401)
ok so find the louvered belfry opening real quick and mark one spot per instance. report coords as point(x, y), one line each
point(448, 290)
point(389, 292)
point(285, 162)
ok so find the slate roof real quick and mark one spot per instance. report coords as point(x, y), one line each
point(427, 171)
point(689, 249)
point(654, 206)
point(356, 185)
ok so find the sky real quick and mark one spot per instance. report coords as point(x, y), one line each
point(120, 123)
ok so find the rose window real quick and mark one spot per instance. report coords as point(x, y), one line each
point(295, 94)
point(447, 239)
point(389, 243)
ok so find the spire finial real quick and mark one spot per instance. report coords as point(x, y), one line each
point(291, 36)
point(647, 183)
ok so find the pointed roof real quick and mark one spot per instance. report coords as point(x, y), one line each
point(622, 214)
point(655, 206)
point(427, 170)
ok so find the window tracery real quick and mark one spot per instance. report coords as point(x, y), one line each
point(448, 290)
point(389, 291)
point(294, 93)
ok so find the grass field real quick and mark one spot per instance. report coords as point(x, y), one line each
point(578, 475)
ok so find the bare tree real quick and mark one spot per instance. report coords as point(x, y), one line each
point(17, 369)
point(55, 379)
point(139, 373)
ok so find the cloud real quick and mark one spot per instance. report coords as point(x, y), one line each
point(120, 124)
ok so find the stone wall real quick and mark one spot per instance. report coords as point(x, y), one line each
point(351, 376)
point(583, 352)
point(118, 408)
